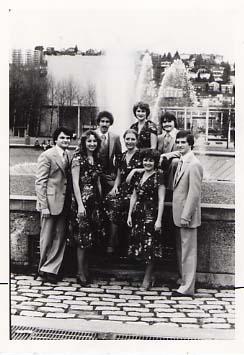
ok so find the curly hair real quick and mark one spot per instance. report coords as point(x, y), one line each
point(150, 154)
point(82, 146)
point(106, 114)
point(143, 106)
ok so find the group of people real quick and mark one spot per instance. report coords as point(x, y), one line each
point(97, 191)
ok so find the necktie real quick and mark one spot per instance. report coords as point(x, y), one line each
point(178, 170)
point(167, 140)
point(65, 158)
point(103, 138)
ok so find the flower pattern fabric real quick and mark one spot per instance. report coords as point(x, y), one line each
point(117, 206)
point(144, 242)
point(144, 137)
point(89, 228)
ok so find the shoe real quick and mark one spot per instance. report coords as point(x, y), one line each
point(52, 278)
point(110, 250)
point(146, 285)
point(41, 274)
point(81, 281)
point(178, 294)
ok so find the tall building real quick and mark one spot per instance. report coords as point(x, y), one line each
point(17, 57)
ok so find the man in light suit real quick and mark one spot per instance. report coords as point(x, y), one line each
point(109, 152)
point(53, 196)
point(187, 211)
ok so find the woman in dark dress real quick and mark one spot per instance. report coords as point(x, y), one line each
point(86, 221)
point(145, 213)
point(118, 200)
point(146, 129)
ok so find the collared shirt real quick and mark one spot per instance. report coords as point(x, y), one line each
point(61, 153)
point(185, 156)
point(100, 134)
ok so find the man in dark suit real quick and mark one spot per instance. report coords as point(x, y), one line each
point(166, 145)
point(109, 152)
point(187, 211)
point(53, 194)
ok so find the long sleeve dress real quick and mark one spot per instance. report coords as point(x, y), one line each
point(117, 207)
point(89, 229)
point(144, 137)
point(144, 242)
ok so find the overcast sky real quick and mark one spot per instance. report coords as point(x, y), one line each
point(186, 26)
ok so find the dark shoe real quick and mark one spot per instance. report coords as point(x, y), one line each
point(178, 294)
point(52, 278)
point(146, 285)
point(41, 274)
point(81, 281)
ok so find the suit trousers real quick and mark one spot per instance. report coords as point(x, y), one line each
point(186, 248)
point(52, 243)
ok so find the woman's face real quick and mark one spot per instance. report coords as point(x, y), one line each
point(91, 143)
point(141, 114)
point(148, 164)
point(130, 141)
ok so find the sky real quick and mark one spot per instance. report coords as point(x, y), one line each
point(186, 26)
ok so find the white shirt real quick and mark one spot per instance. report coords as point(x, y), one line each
point(100, 134)
point(60, 152)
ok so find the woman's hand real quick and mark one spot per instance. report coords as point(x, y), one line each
point(114, 191)
point(81, 212)
point(157, 225)
point(129, 221)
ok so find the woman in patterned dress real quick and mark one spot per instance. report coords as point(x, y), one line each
point(146, 129)
point(86, 218)
point(118, 199)
point(145, 213)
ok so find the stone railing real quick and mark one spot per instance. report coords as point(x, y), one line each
point(216, 240)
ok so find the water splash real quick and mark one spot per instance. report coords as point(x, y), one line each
point(145, 86)
point(23, 169)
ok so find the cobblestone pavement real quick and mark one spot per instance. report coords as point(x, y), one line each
point(122, 301)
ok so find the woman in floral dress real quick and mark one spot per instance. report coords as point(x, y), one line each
point(146, 129)
point(118, 199)
point(86, 221)
point(145, 213)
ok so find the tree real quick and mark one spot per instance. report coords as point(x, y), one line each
point(176, 56)
point(169, 57)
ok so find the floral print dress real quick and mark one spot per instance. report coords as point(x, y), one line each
point(117, 207)
point(89, 229)
point(144, 137)
point(144, 242)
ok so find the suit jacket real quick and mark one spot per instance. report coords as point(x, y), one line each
point(187, 192)
point(114, 147)
point(171, 147)
point(51, 181)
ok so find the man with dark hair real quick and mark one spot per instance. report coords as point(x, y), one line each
point(186, 207)
point(110, 150)
point(166, 145)
point(53, 196)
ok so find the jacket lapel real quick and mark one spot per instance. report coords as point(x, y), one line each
point(111, 140)
point(183, 168)
point(59, 161)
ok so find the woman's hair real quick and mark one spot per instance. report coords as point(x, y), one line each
point(150, 154)
point(106, 114)
point(167, 117)
point(189, 137)
point(82, 145)
point(142, 106)
point(130, 130)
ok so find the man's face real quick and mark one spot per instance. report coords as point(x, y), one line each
point(63, 140)
point(182, 145)
point(168, 125)
point(104, 124)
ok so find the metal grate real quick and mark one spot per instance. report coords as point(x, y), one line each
point(31, 333)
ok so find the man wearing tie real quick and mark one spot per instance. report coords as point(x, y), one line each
point(187, 211)
point(166, 145)
point(53, 198)
point(109, 152)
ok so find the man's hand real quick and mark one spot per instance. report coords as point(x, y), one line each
point(184, 222)
point(45, 213)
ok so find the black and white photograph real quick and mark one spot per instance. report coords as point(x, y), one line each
point(121, 146)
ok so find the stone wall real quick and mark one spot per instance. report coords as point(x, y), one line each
point(216, 241)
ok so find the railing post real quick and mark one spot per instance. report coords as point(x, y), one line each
point(207, 118)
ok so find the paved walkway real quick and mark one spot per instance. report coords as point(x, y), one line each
point(123, 303)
